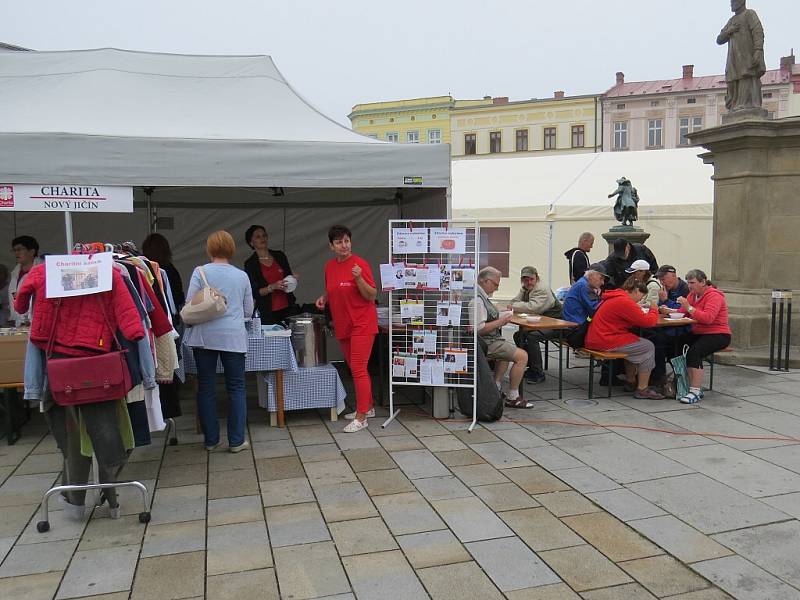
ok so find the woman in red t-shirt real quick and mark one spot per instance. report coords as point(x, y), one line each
point(350, 293)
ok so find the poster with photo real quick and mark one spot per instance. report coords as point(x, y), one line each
point(448, 241)
point(429, 342)
point(462, 278)
point(410, 278)
point(69, 275)
point(392, 276)
point(455, 361)
point(412, 312)
point(409, 241)
point(398, 365)
point(448, 314)
point(418, 341)
point(411, 368)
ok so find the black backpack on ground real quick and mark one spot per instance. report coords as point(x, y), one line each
point(489, 404)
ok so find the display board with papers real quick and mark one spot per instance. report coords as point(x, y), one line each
point(431, 281)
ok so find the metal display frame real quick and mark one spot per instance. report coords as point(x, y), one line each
point(461, 337)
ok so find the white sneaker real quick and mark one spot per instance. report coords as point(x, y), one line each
point(73, 511)
point(356, 425)
point(243, 446)
point(352, 415)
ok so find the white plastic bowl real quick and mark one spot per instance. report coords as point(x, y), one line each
point(533, 319)
point(676, 315)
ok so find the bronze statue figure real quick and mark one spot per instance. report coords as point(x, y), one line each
point(745, 38)
point(626, 208)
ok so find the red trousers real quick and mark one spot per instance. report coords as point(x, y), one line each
point(356, 351)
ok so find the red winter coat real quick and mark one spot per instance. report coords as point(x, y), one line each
point(81, 328)
point(615, 317)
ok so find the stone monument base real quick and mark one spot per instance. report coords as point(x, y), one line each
point(756, 223)
point(746, 114)
point(633, 235)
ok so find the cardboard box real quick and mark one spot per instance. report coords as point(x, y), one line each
point(12, 358)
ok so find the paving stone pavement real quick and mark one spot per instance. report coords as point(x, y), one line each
point(519, 509)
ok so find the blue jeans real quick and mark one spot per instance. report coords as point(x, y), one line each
point(233, 365)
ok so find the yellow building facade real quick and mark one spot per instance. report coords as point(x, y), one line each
point(558, 125)
point(415, 121)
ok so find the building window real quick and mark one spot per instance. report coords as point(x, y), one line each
point(654, 103)
point(655, 133)
point(412, 136)
point(494, 142)
point(549, 138)
point(621, 135)
point(691, 101)
point(767, 95)
point(578, 136)
point(620, 107)
point(470, 145)
point(522, 140)
point(495, 248)
point(393, 137)
point(687, 126)
point(413, 118)
point(434, 136)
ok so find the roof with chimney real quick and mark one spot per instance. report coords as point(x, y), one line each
point(688, 84)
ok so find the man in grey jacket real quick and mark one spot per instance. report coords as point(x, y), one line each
point(535, 298)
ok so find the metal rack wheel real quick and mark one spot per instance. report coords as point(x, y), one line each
point(173, 441)
point(43, 526)
point(144, 517)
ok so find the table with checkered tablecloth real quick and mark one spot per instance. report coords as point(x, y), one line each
point(264, 353)
point(312, 387)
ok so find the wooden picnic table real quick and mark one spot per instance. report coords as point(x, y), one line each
point(547, 324)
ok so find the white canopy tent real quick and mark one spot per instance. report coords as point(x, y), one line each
point(212, 141)
point(548, 201)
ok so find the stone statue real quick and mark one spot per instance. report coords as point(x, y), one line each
point(626, 208)
point(745, 38)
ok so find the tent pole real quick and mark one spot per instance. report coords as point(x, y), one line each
point(550, 256)
point(68, 229)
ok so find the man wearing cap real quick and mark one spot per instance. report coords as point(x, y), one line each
point(535, 298)
point(674, 287)
point(584, 296)
point(640, 270)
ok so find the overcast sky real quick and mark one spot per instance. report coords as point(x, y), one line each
point(341, 52)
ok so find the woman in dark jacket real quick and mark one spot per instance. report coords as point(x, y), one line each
point(267, 270)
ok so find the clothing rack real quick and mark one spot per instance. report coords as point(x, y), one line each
point(170, 432)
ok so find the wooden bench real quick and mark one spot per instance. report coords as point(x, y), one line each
point(13, 425)
point(606, 357)
point(710, 360)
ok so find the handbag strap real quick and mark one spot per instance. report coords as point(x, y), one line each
point(52, 339)
point(108, 323)
point(203, 276)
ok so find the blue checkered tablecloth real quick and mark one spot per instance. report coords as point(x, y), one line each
point(313, 387)
point(263, 354)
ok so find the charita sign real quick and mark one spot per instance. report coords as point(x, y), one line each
point(60, 198)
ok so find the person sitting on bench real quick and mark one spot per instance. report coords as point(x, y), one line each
point(610, 331)
point(489, 325)
point(711, 333)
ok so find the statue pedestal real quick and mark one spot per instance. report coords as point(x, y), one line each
point(747, 114)
point(756, 223)
point(630, 234)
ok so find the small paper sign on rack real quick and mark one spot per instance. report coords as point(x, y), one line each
point(393, 276)
point(71, 275)
point(409, 241)
point(448, 241)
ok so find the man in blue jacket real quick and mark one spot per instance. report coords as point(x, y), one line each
point(584, 296)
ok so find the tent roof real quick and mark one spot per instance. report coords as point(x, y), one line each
point(112, 116)
point(565, 183)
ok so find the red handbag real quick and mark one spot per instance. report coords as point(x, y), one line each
point(87, 379)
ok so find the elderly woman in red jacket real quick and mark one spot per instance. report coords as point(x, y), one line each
point(617, 314)
point(711, 333)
